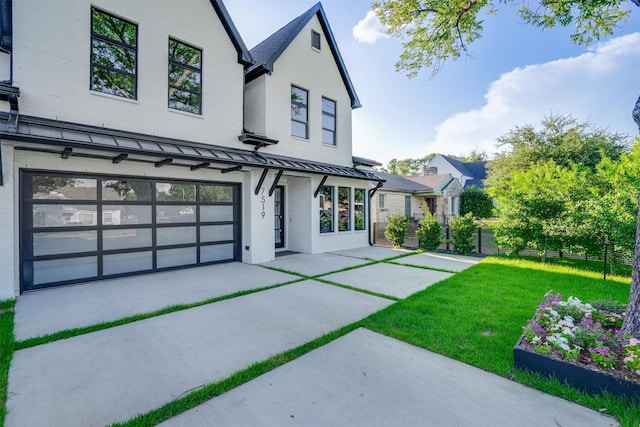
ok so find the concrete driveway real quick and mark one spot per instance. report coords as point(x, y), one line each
point(363, 378)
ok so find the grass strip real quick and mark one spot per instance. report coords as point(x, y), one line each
point(6, 352)
point(477, 315)
point(362, 291)
point(238, 378)
point(69, 333)
point(424, 267)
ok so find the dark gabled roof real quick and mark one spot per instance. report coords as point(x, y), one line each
point(244, 56)
point(400, 183)
point(73, 139)
point(267, 52)
point(476, 170)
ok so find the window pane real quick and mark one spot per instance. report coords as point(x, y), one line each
point(65, 242)
point(298, 95)
point(328, 137)
point(64, 215)
point(184, 78)
point(328, 122)
point(127, 263)
point(125, 214)
point(344, 208)
point(129, 190)
point(59, 270)
point(216, 213)
point(167, 236)
point(299, 114)
point(176, 257)
point(216, 253)
point(216, 233)
point(113, 28)
point(326, 209)
point(171, 214)
point(185, 54)
point(126, 239)
point(170, 192)
point(358, 209)
point(113, 57)
point(63, 188)
point(328, 106)
point(184, 101)
point(216, 193)
point(113, 83)
point(299, 129)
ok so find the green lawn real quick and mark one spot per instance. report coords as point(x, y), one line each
point(477, 316)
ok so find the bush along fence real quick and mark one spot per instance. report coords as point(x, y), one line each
point(481, 241)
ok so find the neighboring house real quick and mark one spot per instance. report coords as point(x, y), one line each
point(147, 139)
point(444, 201)
point(405, 196)
point(399, 196)
point(469, 174)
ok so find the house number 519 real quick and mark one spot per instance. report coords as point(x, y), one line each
point(263, 201)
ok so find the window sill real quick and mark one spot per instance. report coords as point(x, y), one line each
point(114, 97)
point(186, 113)
point(334, 146)
point(298, 138)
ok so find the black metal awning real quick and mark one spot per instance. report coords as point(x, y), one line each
point(70, 139)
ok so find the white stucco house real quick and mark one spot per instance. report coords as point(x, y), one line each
point(468, 173)
point(143, 139)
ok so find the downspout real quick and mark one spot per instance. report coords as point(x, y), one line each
point(371, 191)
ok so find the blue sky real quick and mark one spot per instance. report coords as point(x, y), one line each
point(516, 75)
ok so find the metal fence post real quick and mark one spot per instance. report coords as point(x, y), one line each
point(479, 240)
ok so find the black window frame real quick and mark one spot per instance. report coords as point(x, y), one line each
point(334, 117)
point(344, 203)
point(327, 216)
point(185, 67)
point(28, 230)
point(296, 105)
point(103, 39)
point(359, 205)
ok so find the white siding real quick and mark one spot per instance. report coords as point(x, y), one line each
point(317, 72)
point(52, 47)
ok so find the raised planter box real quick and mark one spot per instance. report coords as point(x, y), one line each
point(593, 382)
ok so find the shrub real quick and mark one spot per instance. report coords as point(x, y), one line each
point(476, 201)
point(462, 230)
point(396, 229)
point(429, 231)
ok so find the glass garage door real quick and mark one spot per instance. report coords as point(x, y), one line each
point(77, 228)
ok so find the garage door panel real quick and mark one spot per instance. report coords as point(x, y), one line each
point(75, 228)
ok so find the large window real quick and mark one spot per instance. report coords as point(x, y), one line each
point(299, 113)
point(76, 228)
point(114, 53)
point(185, 77)
point(328, 121)
point(359, 208)
point(326, 209)
point(344, 208)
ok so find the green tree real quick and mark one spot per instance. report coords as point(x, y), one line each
point(559, 138)
point(407, 167)
point(476, 201)
point(429, 231)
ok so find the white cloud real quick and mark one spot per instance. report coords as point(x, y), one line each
point(369, 29)
point(600, 86)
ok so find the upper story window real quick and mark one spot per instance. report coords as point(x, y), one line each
point(299, 112)
point(328, 121)
point(185, 77)
point(114, 55)
point(315, 39)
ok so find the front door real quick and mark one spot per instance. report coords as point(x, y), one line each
point(278, 205)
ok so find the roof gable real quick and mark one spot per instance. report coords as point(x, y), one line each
point(244, 56)
point(267, 52)
point(400, 183)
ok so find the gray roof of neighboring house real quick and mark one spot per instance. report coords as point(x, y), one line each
point(269, 50)
point(400, 183)
point(476, 170)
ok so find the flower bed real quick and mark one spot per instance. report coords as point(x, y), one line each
point(582, 344)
